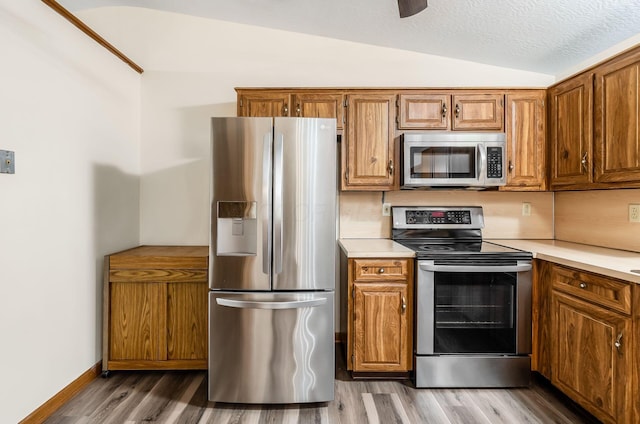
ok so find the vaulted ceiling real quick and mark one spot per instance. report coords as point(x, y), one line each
point(545, 36)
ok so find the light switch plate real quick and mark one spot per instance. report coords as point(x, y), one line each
point(386, 209)
point(7, 162)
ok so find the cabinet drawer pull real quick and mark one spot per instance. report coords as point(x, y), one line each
point(381, 271)
point(457, 110)
point(390, 167)
point(404, 304)
point(444, 110)
point(583, 285)
point(618, 343)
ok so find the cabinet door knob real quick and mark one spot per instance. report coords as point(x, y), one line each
point(285, 110)
point(381, 271)
point(583, 285)
point(444, 110)
point(404, 304)
point(510, 166)
point(618, 343)
point(457, 110)
point(584, 162)
point(390, 167)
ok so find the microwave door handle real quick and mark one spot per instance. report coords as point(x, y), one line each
point(481, 162)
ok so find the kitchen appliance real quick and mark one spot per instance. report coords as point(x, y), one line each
point(453, 159)
point(272, 260)
point(473, 300)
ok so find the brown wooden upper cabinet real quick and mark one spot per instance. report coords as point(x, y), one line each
point(368, 161)
point(424, 111)
point(447, 111)
point(526, 135)
point(478, 112)
point(617, 120)
point(319, 105)
point(570, 135)
point(264, 103)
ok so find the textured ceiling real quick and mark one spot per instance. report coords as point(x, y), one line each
point(546, 36)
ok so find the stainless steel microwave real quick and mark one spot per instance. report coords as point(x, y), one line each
point(453, 159)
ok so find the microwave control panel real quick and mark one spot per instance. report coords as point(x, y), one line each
point(494, 162)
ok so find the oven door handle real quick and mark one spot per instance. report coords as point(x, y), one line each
point(476, 268)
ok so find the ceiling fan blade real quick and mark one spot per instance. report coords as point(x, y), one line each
point(411, 7)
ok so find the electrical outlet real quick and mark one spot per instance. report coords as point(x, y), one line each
point(386, 209)
point(634, 212)
point(526, 209)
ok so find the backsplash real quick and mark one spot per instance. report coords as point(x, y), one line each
point(598, 217)
point(361, 212)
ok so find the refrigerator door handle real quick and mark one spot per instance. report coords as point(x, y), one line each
point(266, 203)
point(255, 304)
point(278, 199)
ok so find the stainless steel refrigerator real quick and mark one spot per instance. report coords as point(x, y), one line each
point(272, 260)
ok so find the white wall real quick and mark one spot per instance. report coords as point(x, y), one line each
point(191, 68)
point(70, 111)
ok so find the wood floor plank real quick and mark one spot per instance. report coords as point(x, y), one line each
point(180, 397)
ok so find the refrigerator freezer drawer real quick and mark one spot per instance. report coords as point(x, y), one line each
point(271, 347)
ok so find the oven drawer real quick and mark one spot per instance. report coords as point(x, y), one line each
point(605, 291)
point(381, 269)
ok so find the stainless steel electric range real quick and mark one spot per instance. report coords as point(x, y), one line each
point(473, 300)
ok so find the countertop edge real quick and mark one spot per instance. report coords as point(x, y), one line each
point(600, 260)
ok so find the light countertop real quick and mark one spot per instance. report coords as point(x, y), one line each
point(374, 248)
point(610, 262)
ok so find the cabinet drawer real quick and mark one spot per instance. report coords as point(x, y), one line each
point(380, 269)
point(605, 291)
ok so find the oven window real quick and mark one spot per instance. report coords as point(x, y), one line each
point(443, 162)
point(475, 312)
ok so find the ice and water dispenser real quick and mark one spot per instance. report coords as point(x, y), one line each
point(237, 229)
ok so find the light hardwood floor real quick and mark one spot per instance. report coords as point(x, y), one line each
point(181, 397)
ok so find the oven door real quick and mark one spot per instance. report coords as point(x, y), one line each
point(473, 308)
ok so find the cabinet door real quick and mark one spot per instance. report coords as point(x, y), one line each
point(478, 112)
point(525, 129)
point(571, 127)
point(591, 359)
point(138, 321)
point(542, 340)
point(381, 327)
point(424, 111)
point(617, 121)
point(368, 153)
point(319, 105)
point(263, 104)
point(187, 320)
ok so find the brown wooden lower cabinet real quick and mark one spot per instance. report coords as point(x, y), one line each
point(589, 333)
point(155, 308)
point(379, 315)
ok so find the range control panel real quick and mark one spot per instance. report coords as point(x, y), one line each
point(438, 217)
point(429, 217)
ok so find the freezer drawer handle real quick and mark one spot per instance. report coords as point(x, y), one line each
point(477, 268)
point(254, 304)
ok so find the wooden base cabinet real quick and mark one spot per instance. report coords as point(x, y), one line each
point(155, 308)
point(379, 315)
point(592, 357)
